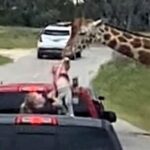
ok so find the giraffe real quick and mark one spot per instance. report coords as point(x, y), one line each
point(72, 44)
point(130, 44)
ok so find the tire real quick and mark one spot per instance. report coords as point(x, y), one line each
point(109, 116)
point(73, 57)
point(78, 54)
point(39, 56)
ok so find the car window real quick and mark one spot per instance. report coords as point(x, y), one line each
point(56, 32)
point(10, 102)
point(63, 138)
point(56, 137)
point(42, 141)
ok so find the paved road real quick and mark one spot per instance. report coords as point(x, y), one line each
point(29, 69)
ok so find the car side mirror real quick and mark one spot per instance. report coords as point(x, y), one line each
point(102, 98)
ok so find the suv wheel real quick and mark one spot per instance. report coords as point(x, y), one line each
point(39, 55)
point(73, 57)
point(78, 54)
point(109, 116)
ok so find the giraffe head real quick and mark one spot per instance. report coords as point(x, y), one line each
point(84, 32)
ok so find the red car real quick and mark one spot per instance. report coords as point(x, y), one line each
point(12, 96)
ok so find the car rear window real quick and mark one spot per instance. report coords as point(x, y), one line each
point(42, 139)
point(25, 137)
point(10, 101)
point(56, 32)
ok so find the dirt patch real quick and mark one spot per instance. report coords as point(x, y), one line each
point(15, 54)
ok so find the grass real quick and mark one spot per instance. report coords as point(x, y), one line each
point(126, 86)
point(18, 37)
point(5, 60)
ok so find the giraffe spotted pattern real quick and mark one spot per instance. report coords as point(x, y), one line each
point(133, 45)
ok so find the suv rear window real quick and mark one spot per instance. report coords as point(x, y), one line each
point(56, 32)
point(41, 141)
point(25, 137)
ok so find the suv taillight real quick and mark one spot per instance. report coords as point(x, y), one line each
point(32, 88)
point(36, 120)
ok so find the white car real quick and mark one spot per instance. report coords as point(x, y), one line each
point(53, 40)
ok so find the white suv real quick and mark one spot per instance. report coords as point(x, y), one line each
point(52, 40)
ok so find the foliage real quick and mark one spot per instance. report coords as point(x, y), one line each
point(129, 14)
point(35, 13)
point(5, 60)
point(18, 37)
point(126, 88)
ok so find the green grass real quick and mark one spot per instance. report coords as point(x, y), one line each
point(127, 89)
point(5, 60)
point(18, 37)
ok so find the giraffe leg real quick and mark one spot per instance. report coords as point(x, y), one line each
point(74, 53)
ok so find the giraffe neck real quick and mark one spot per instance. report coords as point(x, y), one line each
point(126, 43)
point(114, 39)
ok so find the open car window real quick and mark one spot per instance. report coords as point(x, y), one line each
point(10, 102)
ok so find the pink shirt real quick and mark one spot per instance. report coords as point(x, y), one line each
point(59, 80)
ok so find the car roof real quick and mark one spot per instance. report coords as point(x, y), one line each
point(64, 23)
point(57, 27)
point(26, 87)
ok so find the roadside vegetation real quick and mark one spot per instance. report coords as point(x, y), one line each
point(5, 60)
point(18, 37)
point(126, 86)
point(127, 14)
